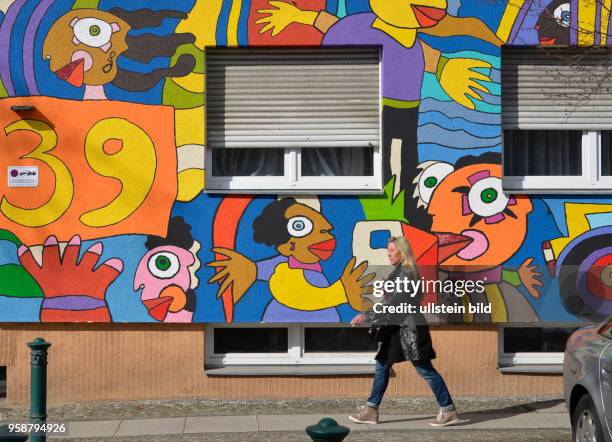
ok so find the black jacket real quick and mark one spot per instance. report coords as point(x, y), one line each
point(414, 337)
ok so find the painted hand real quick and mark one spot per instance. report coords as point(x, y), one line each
point(356, 286)
point(237, 272)
point(281, 17)
point(358, 320)
point(73, 289)
point(458, 79)
point(529, 277)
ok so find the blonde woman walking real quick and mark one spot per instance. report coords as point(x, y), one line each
point(403, 338)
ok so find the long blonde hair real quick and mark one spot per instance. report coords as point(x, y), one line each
point(408, 259)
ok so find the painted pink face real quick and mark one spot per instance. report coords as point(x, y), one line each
point(164, 277)
point(162, 267)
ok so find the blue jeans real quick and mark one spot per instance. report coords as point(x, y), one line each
point(425, 369)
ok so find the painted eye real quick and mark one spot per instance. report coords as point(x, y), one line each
point(93, 32)
point(431, 177)
point(164, 265)
point(563, 15)
point(486, 197)
point(299, 226)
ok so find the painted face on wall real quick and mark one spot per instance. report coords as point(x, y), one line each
point(310, 239)
point(553, 24)
point(410, 13)
point(166, 274)
point(470, 202)
point(83, 45)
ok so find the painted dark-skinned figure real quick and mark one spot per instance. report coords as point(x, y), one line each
point(395, 25)
point(301, 292)
point(83, 46)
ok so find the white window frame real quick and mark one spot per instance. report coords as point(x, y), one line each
point(507, 359)
point(294, 356)
point(591, 179)
point(293, 179)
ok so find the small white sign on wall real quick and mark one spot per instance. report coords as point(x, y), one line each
point(23, 176)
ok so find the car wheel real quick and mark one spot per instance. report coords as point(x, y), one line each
point(585, 423)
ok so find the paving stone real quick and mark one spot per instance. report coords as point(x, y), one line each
point(92, 429)
point(142, 427)
point(220, 424)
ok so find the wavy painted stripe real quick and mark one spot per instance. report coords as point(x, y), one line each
point(243, 23)
point(436, 152)
point(479, 130)
point(452, 110)
point(232, 23)
point(454, 138)
point(223, 22)
point(6, 30)
point(28, 45)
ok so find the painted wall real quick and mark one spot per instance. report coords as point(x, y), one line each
point(119, 228)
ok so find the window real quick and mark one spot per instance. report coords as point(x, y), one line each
point(606, 329)
point(311, 346)
point(293, 119)
point(532, 349)
point(557, 119)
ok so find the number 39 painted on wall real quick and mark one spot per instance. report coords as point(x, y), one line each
point(106, 168)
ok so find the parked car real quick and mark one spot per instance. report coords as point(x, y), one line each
point(587, 378)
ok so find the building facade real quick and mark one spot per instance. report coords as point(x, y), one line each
point(203, 186)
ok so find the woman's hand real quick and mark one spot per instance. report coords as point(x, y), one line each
point(358, 320)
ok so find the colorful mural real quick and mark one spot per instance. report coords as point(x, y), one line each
point(104, 101)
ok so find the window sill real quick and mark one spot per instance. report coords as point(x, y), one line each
point(532, 368)
point(290, 370)
point(296, 191)
point(559, 191)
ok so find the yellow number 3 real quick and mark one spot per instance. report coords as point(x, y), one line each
point(64, 187)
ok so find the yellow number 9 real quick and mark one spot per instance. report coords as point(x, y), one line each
point(64, 187)
point(133, 165)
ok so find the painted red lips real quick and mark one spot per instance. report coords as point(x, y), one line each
point(428, 16)
point(323, 249)
point(158, 307)
point(73, 72)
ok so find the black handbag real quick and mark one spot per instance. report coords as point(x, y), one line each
point(378, 333)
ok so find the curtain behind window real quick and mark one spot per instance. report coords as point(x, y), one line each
point(356, 161)
point(543, 152)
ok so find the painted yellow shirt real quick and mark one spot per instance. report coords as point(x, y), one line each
point(290, 288)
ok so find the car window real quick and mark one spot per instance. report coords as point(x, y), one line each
point(606, 330)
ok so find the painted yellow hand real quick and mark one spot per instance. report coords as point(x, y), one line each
point(459, 80)
point(357, 285)
point(281, 17)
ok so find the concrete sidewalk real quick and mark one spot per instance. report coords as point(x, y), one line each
point(554, 417)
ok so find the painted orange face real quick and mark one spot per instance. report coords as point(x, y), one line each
point(83, 45)
point(311, 240)
point(470, 202)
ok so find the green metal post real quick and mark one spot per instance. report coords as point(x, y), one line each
point(327, 430)
point(38, 386)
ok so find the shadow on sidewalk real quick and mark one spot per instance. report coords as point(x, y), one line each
point(476, 417)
